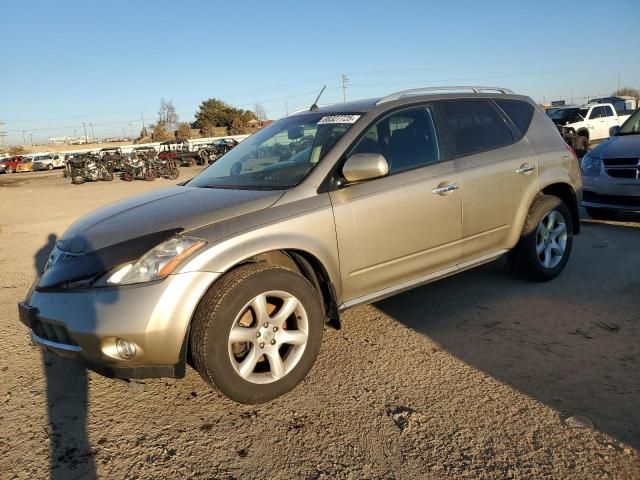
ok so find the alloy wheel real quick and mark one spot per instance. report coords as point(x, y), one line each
point(268, 337)
point(551, 239)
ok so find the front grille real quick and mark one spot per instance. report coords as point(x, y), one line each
point(622, 167)
point(619, 200)
point(52, 332)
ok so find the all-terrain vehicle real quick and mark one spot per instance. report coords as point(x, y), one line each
point(113, 156)
point(179, 151)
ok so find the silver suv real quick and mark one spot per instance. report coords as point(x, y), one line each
point(237, 271)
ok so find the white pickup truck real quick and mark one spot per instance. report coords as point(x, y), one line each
point(581, 126)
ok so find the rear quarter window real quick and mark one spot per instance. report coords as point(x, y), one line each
point(519, 112)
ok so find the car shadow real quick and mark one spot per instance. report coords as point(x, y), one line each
point(71, 454)
point(571, 343)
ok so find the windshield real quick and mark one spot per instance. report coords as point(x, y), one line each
point(568, 114)
point(278, 156)
point(631, 126)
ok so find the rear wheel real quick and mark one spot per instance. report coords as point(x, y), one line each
point(107, 175)
point(582, 145)
point(150, 175)
point(257, 332)
point(9, 170)
point(77, 179)
point(127, 177)
point(173, 174)
point(545, 244)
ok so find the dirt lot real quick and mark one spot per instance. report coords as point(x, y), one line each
point(478, 376)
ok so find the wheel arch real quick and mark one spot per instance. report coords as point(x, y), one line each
point(565, 192)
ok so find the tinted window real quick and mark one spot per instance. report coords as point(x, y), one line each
point(608, 111)
point(474, 126)
point(519, 112)
point(597, 112)
point(407, 139)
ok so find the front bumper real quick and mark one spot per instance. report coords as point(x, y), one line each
point(85, 324)
point(606, 192)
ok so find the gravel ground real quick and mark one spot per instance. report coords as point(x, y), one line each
point(481, 375)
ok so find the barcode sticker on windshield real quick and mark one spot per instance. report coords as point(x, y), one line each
point(339, 119)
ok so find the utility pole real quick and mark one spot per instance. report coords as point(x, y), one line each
point(85, 132)
point(618, 81)
point(131, 128)
point(124, 134)
point(286, 108)
point(3, 134)
point(142, 118)
point(345, 83)
point(31, 138)
point(93, 138)
point(24, 141)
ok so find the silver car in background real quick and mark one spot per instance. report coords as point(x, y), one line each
point(611, 172)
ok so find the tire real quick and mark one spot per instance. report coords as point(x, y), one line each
point(601, 213)
point(9, 170)
point(173, 174)
point(77, 180)
point(582, 145)
point(524, 259)
point(49, 167)
point(127, 177)
point(222, 307)
point(107, 176)
point(150, 175)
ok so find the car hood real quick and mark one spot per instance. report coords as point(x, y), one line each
point(623, 146)
point(125, 230)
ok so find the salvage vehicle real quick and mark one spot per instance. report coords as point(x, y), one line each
point(48, 161)
point(210, 152)
point(238, 270)
point(166, 168)
point(611, 172)
point(89, 167)
point(180, 151)
point(138, 167)
point(9, 165)
point(113, 156)
point(143, 153)
point(26, 165)
point(582, 126)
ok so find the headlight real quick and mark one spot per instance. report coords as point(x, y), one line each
point(591, 164)
point(157, 263)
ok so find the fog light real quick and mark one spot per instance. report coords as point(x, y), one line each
point(125, 349)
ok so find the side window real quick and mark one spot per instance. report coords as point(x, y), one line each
point(406, 138)
point(519, 112)
point(608, 111)
point(474, 126)
point(597, 112)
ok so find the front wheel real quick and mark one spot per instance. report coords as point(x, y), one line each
point(257, 332)
point(77, 179)
point(150, 175)
point(545, 244)
point(173, 173)
point(107, 175)
point(127, 177)
point(9, 170)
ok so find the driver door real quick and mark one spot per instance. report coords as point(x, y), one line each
point(394, 230)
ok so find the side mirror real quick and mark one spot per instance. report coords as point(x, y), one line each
point(295, 133)
point(614, 130)
point(365, 166)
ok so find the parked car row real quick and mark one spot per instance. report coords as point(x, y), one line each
point(28, 163)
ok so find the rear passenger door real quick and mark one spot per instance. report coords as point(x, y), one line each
point(598, 121)
point(497, 168)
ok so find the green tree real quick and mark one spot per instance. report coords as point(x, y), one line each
point(214, 113)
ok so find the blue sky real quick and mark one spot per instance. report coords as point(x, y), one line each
point(64, 63)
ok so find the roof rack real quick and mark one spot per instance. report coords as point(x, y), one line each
point(420, 91)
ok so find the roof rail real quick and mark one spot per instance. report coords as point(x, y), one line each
point(420, 91)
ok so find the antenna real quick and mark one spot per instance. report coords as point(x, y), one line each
point(314, 107)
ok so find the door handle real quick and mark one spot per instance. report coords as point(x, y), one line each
point(445, 188)
point(523, 170)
